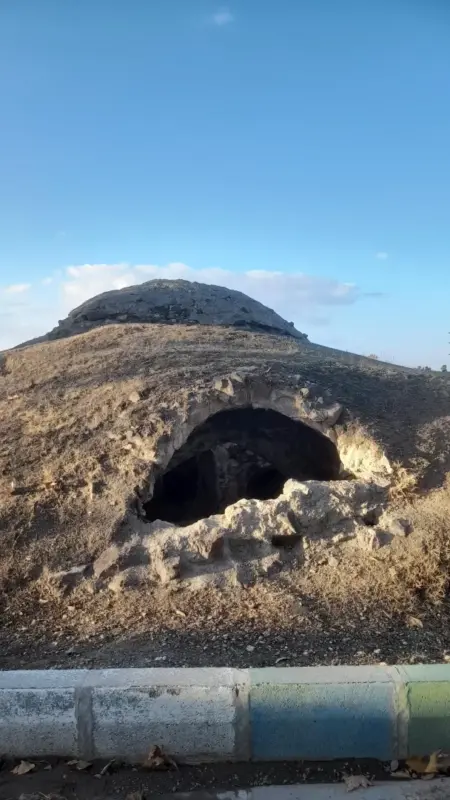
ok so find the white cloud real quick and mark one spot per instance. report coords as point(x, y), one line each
point(296, 296)
point(223, 17)
point(382, 256)
point(17, 288)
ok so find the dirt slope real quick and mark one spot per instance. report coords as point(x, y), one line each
point(81, 419)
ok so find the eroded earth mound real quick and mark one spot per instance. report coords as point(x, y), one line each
point(146, 453)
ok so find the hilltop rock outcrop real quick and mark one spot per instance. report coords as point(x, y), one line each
point(175, 302)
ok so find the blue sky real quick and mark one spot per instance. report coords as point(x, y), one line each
point(297, 150)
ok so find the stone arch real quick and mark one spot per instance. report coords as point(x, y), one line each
point(240, 442)
point(240, 390)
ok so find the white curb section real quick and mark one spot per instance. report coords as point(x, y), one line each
point(196, 715)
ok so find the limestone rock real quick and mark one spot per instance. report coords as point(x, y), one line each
point(70, 578)
point(251, 538)
point(106, 561)
point(396, 526)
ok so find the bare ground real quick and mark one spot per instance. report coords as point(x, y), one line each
point(56, 780)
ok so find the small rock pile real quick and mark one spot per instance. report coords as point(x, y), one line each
point(309, 523)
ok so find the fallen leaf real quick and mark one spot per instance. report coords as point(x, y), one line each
point(426, 765)
point(179, 613)
point(417, 765)
point(353, 782)
point(157, 759)
point(79, 765)
point(135, 796)
point(279, 660)
point(432, 767)
point(401, 773)
point(414, 622)
point(23, 768)
point(104, 769)
point(394, 766)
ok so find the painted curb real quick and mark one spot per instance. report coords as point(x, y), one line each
point(199, 715)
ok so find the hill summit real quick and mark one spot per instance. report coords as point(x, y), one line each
point(174, 302)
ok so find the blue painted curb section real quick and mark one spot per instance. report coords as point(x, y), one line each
point(198, 715)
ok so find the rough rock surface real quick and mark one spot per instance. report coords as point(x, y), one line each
point(173, 302)
point(253, 538)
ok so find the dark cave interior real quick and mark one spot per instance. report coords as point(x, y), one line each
point(239, 453)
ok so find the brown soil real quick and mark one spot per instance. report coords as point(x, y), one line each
point(257, 627)
point(75, 443)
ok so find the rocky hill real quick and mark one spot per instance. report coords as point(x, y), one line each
point(174, 302)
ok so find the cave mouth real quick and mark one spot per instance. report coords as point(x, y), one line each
point(235, 454)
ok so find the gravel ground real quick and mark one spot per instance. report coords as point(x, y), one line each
point(254, 628)
point(55, 780)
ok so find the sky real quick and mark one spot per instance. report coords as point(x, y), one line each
point(298, 151)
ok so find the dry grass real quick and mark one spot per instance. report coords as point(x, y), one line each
point(403, 482)
point(360, 454)
point(396, 579)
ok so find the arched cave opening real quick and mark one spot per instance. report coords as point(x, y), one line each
point(239, 453)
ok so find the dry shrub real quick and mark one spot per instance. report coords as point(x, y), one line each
point(412, 571)
point(360, 454)
point(404, 482)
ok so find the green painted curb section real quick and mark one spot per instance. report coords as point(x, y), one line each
point(427, 689)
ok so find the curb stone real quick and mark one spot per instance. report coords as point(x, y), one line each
point(207, 715)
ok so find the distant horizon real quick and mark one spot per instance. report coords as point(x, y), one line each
point(301, 156)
